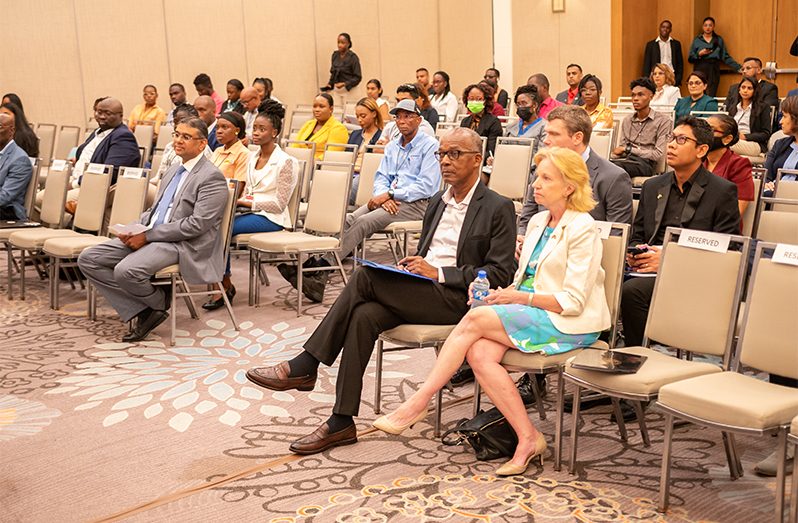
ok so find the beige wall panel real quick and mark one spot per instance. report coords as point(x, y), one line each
point(406, 45)
point(119, 58)
point(39, 61)
point(466, 40)
point(205, 36)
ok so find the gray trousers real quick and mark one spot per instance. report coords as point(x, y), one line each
point(363, 223)
point(123, 275)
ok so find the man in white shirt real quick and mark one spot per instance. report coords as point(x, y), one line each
point(250, 100)
point(664, 50)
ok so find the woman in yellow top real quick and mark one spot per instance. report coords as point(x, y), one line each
point(232, 156)
point(324, 128)
point(590, 92)
point(148, 112)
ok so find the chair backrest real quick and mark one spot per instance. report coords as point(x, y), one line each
point(68, 137)
point(601, 142)
point(706, 114)
point(46, 133)
point(306, 151)
point(613, 259)
point(343, 153)
point(786, 189)
point(164, 136)
point(296, 196)
point(298, 119)
point(157, 158)
point(328, 201)
point(776, 226)
point(55, 191)
point(144, 134)
point(130, 192)
point(349, 108)
point(444, 127)
point(33, 185)
point(769, 330)
point(226, 227)
point(697, 293)
point(750, 212)
point(368, 171)
point(93, 197)
point(511, 161)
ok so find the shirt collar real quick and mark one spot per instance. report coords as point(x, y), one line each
point(448, 196)
point(12, 141)
point(413, 142)
point(586, 154)
point(689, 182)
point(189, 165)
point(659, 39)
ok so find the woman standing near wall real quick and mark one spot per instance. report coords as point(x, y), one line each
point(707, 52)
point(345, 72)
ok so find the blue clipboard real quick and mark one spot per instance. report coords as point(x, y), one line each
point(390, 268)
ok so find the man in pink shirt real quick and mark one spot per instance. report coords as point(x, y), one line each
point(204, 87)
point(547, 103)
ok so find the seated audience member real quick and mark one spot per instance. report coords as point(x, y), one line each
point(370, 120)
point(665, 50)
point(233, 102)
point(768, 92)
point(250, 102)
point(13, 98)
point(547, 103)
point(177, 93)
point(478, 100)
point(422, 79)
point(15, 172)
point(784, 154)
point(490, 86)
point(184, 230)
point(698, 99)
point(170, 156)
point(753, 118)
point(23, 134)
point(374, 301)
point(573, 77)
point(666, 93)
point(530, 124)
point(502, 98)
point(148, 113)
point(556, 304)
point(408, 176)
point(444, 101)
point(374, 91)
point(204, 87)
point(427, 111)
point(265, 86)
point(272, 175)
point(391, 132)
point(690, 197)
point(323, 128)
point(644, 135)
point(569, 127)
point(232, 157)
point(206, 108)
point(722, 161)
point(590, 95)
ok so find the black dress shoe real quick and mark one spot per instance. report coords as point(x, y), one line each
point(313, 285)
point(212, 305)
point(288, 271)
point(322, 439)
point(145, 326)
point(462, 376)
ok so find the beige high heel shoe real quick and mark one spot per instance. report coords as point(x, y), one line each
point(511, 469)
point(386, 425)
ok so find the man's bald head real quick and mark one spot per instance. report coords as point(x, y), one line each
point(108, 113)
point(206, 108)
point(249, 98)
point(7, 128)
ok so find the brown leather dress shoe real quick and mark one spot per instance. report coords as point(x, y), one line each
point(321, 440)
point(276, 378)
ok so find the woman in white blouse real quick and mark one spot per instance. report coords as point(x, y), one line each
point(667, 93)
point(272, 176)
point(374, 91)
point(444, 101)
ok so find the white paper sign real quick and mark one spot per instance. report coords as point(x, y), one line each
point(604, 229)
point(133, 172)
point(58, 165)
point(706, 241)
point(786, 253)
point(95, 168)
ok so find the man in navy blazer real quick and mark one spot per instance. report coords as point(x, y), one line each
point(117, 147)
point(15, 172)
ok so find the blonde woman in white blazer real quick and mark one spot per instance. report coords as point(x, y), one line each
point(272, 175)
point(556, 304)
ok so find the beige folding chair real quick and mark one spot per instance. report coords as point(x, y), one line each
point(792, 438)
point(30, 199)
point(340, 153)
point(303, 151)
point(368, 171)
point(46, 133)
point(298, 119)
point(749, 215)
point(601, 142)
point(68, 137)
point(776, 226)
point(702, 290)
point(320, 234)
point(164, 137)
point(127, 208)
point(785, 189)
point(88, 217)
point(511, 162)
point(145, 134)
point(735, 402)
point(444, 127)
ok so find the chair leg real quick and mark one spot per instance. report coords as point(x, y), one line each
point(575, 427)
point(22, 274)
point(665, 475)
point(92, 301)
point(192, 309)
point(10, 260)
point(616, 406)
point(538, 398)
point(477, 397)
point(735, 467)
point(436, 428)
point(794, 497)
point(300, 260)
point(228, 305)
point(559, 419)
point(641, 420)
point(378, 377)
point(264, 278)
point(257, 287)
point(55, 264)
point(340, 266)
point(173, 315)
point(781, 473)
point(253, 281)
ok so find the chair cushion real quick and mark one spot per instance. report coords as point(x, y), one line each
point(167, 271)
point(658, 370)
point(71, 246)
point(420, 334)
point(517, 360)
point(287, 241)
point(6, 233)
point(414, 225)
point(35, 238)
point(241, 240)
point(732, 399)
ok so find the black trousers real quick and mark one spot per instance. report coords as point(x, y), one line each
point(635, 166)
point(372, 302)
point(636, 296)
point(711, 68)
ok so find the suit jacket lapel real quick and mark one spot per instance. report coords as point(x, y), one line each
point(555, 235)
point(593, 166)
point(696, 191)
point(436, 218)
point(182, 188)
point(662, 201)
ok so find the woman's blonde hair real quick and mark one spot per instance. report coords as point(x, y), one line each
point(574, 171)
point(372, 106)
point(670, 78)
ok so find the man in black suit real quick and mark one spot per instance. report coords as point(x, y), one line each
point(664, 50)
point(768, 92)
point(689, 197)
point(466, 228)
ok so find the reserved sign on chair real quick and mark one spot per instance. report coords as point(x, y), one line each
point(706, 241)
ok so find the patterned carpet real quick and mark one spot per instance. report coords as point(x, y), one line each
point(92, 428)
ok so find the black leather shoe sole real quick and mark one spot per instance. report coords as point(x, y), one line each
point(146, 326)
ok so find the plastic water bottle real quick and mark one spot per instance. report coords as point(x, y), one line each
point(479, 289)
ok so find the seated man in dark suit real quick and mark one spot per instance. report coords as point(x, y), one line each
point(466, 228)
point(689, 197)
point(15, 172)
point(182, 228)
point(768, 92)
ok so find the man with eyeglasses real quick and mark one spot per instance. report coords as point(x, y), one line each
point(466, 228)
point(182, 227)
point(768, 92)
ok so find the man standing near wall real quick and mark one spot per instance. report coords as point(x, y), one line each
point(664, 50)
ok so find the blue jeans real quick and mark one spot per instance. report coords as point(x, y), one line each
point(250, 224)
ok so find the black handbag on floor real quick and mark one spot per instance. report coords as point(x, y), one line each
point(488, 433)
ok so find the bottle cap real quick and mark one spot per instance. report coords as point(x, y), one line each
point(482, 274)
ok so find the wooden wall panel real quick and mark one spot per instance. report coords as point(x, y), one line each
point(786, 32)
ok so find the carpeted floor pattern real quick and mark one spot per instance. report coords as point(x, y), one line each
point(95, 429)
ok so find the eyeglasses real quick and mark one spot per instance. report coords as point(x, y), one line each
point(454, 154)
point(185, 137)
point(680, 139)
point(103, 112)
